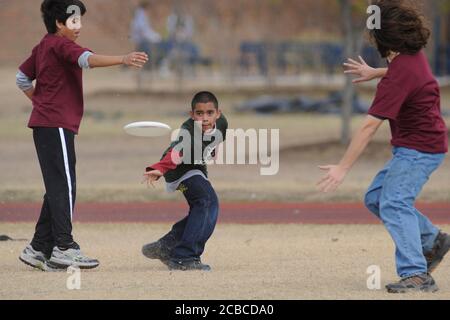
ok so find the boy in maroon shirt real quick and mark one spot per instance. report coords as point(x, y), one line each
point(56, 64)
point(408, 96)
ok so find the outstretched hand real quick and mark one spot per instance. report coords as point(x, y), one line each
point(152, 176)
point(333, 179)
point(135, 59)
point(360, 69)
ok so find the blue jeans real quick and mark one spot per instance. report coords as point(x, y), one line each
point(392, 196)
point(190, 235)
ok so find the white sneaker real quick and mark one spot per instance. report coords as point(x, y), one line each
point(35, 259)
point(71, 257)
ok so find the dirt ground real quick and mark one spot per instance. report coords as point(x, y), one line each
point(249, 262)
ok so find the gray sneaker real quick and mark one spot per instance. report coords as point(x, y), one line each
point(71, 258)
point(35, 259)
point(420, 283)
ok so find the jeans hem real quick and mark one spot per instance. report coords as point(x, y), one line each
point(413, 275)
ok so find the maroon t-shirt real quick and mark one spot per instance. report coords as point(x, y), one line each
point(409, 97)
point(58, 96)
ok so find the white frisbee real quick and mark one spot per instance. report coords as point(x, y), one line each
point(147, 129)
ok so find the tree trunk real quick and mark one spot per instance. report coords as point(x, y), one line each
point(349, 46)
point(435, 41)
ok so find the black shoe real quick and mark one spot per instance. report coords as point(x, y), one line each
point(157, 250)
point(423, 282)
point(440, 249)
point(187, 265)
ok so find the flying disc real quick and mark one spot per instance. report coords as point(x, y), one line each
point(147, 129)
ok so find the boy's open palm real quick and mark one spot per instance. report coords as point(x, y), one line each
point(135, 59)
point(152, 176)
point(333, 178)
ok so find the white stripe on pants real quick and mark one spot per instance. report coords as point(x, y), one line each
point(66, 167)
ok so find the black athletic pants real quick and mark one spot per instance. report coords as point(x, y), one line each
point(55, 148)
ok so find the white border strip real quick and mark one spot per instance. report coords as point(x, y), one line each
point(66, 166)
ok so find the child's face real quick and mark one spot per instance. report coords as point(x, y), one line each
point(207, 114)
point(72, 29)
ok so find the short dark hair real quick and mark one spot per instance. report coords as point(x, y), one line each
point(56, 10)
point(204, 97)
point(402, 30)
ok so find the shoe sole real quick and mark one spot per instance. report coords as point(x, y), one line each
point(63, 265)
point(178, 269)
point(38, 264)
point(150, 255)
point(163, 261)
point(431, 289)
point(440, 257)
point(154, 254)
point(183, 268)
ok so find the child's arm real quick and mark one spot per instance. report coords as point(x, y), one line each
point(29, 93)
point(169, 162)
point(71, 52)
point(336, 173)
point(134, 59)
point(25, 84)
point(363, 70)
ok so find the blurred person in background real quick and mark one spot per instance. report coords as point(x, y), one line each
point(142, 34)
point(180, 48)
point(180, 24)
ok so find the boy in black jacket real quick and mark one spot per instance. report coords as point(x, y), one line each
point(183, 166)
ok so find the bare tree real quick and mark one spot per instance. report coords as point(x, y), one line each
point(441, 33)
point(347, 103)
point(352, 15)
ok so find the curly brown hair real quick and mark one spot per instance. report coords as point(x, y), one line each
point(403, 28)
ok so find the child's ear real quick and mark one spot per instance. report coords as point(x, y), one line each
point(59, 25)
point(219, 113)
point(191, 113)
